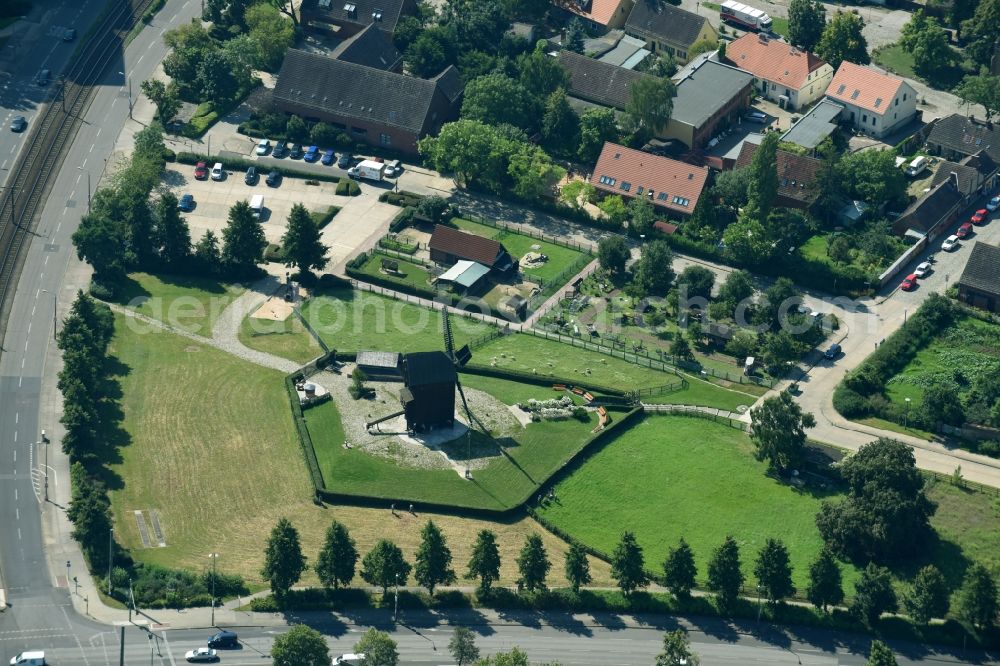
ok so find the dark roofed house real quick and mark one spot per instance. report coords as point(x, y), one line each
point(428, 396)
point(929, 214)
point(449, 246)
point(344, 18)
point(372, 48)
point(371, 105)
point(668, 28)
point(380, 365)
point(599, 82)
point(797, 174)
point(671, 185)
point(976, 173)
point(956, 136)
point(710, 97)
point(979, 285)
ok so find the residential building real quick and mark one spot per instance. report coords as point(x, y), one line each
point(931, 213)
point(668, 29)
point(449, 246)
point(874, 103)
point(670, 185)
point(954, 137)
point(371, 105)
point(598, 15)
point(372, 48)
point(627, 53)
point(798, 176)
point(977, 174)
point(344, 18)
point(711, 98)
point(598, 82)
point(783, 74)
point(979, 285)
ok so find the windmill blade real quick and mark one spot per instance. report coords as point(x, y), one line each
point(449, 340)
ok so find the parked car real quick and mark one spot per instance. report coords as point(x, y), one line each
point(273, 179)
point(993, 204)
point(29, 658)
point(950, 243)
point(218, 173)
point(832, 352)
point(186, 203)
point(755, 116)
point(349, 659)
point(224, 639)
point(280, 150)
point(201, 654)
point(262, 146)
point(200, 171)
point(43, 77)
point(965, 230)
point(251, 177)
point(923, 269)
point(295, 152)
point(328, 157)
point(346, 159)
point(312, 154)
point(69, 34)
point(980, 216)
point(18, 124)
point(909, 282)
point(393, 168)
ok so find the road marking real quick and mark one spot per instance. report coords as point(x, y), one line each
point(92, 146)
point(170, 652)
point(15, 489)
point(98, 135)
point(18, 533)
point(84, 165)
point(17, 415)
point(140, 59)
point(17, 513)
point(29, 332)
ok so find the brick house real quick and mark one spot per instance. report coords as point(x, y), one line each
point(711, 97)
point(955, 136)
point(374, 106)
point(669, 185)
point(668, 29)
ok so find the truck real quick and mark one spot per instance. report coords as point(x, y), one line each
point(369, 169)
point(745, 16)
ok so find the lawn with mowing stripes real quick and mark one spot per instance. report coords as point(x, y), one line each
point(349, 320)
point(539, 450)
point(672, 476)
point(192, 304)
point(544, 357)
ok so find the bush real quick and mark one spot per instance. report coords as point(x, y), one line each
point(266, 604)
point(400, 198)
point(323, 219)
point(274, 253)
point(101, 291)
point(204, 117)
point(348, 188)
point(402, 220)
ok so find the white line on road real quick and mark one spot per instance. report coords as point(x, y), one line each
point(59, 225)
point(92, 146)
point(15, 489)
point(17, 415)
point(140, 58)
point(170, 652)
point(15, 437)
point(17, 513)
point(29, 325)
point(84, 165)
point(18, 533)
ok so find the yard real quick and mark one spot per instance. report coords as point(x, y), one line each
point(192, 304)
point(349, 320)
point(527, 353)
point(815, 249)
point(408, 274)
point(219, 461)
point(539, 449)
point(671, 476)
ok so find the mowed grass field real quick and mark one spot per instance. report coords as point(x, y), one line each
point(560, 258)
point(672, 476)
point(538, 451)
point(349, 320)
point(214, 450)
point(527, 353)
point(192, 304)
point(411, 274)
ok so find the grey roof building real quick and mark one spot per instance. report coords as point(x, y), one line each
point(372, 105)
point(343, 18)
point(598, 82)
point(371, 48)
point(710, 95)
point(929, 214)
point(667, 28)
point(979, 285)
point(956, 136)
point(811, 129)
point(975, 173)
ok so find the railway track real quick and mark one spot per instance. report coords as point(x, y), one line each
point(51, 135)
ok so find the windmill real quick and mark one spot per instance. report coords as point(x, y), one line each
point(459, 359)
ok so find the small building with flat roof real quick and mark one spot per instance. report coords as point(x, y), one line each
point(380, 365)
point(466, 277)
point(812, 129)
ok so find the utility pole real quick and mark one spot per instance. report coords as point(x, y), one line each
point(395, 609)
point(111, 532)
point(215, 557)
point(121, 649)
point(45, 443)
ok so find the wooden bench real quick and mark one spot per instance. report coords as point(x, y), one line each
point(602, 419)
point(558, 387)
point(578, 391)
point(588, 397)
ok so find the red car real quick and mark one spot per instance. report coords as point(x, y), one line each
point(964, 230)
point(200, 171)
point(909, 282)
point(980, 216)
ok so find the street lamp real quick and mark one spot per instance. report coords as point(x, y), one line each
point(55, 306)
point(215, 557)
point(906, 419)
point(904, 315)
point(760, 606)
point(129, 93)
point(395, 608)
point(88, 188)
point(111, 532)
point(45, 442)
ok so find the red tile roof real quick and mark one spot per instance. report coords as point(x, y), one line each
point(863, 87)
point(773, 60)
point(675, 185)
point(797, 174)
point(465, 245)
point(601, 11)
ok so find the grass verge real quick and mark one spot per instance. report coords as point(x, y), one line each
point(192, 304)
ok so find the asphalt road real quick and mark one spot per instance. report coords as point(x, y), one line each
point(36, 603)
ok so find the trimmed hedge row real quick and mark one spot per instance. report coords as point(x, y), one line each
point(204, 117)
point(323, 219)
point(862, 391)
point(348, 188)
point(305, 439)
point(184, 157)
point(401, 198)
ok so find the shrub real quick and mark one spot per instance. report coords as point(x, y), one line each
point(101, 291)
point(323, 219)
point(204, 117)
point(402, 220)
point(274, 253)
point(348, 188)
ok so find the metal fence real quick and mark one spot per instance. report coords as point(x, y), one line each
point(524, 231)
point(716, 415)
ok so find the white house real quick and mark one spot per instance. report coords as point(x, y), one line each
point(875, 103)
point(783, 74)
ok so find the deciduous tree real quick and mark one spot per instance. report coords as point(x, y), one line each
point(873, 594)
point(778, 430)
point(806, 20)
point(981, 89)
point(977, 600)
point(462, 646)
point(379, 649)
point(496, 99)
point(928, 596)
point(677, 650)
point(651, 101)
point(613, 253)
point(842, 40)
point(301, 645)
point(384, 565)
point(597, 126)
point(880, 655)
point(653, 272)
point(164, 97)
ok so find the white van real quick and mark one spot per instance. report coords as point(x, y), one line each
point(916, 166)
point(33, 658)
point(217, 172)
point(257, 205)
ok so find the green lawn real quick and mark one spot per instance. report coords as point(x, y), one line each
point(192, 304)
point(413, 275)
point(539, 450)
point(349, 320)
point(671, 476)
point(560, 258)
point(896, 60)
point(779, 25)
point(527, 353)
point(510, 392)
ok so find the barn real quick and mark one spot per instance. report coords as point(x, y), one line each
point(449, 246)
point(428, 395)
